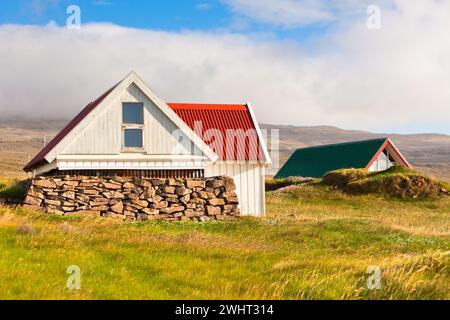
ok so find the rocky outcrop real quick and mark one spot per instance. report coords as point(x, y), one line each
point(134, 199)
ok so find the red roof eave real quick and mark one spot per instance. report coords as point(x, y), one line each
point(40, 157)
point(388, 142)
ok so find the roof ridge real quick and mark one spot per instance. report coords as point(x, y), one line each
point(341, 143)
point(207, 106)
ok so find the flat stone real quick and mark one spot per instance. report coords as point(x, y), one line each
point(168, 189)
point(70, 183)
point(171, 210)
point(155, 199)
point(131, 208)
point(168, 195)
point(68, 195)
point(129, 213)
point(157, 182)
point(195, 183)
point(190, 213)
point(86, 184)
point(132, 196)
point(68, 204)
point(52, 202)
point(142, 183)
point(149, 193)
point(216, 202)
point(175, 182)
point(159, 205)
point(230, 207)
point(232, 200)
point(82, 198)
point(212, 211)
point(185, 199)
point(228, 194)
point(44, 184)
point(112, 186)
point(90, 192)
point(198, 201)
point(100, 208)
point(129, 185)
point(215, 183)
point(117, 208)
point(182, 191)
point(140, 203)
point(32, 201)
point(113, 195)
point(206, 195)
point(229, 184)
point(35, 194)
point(101, 200)
point(150, 211)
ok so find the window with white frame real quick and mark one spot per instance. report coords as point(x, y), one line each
point(132, 126)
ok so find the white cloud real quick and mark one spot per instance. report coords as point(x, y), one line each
point(391, 79)
point(295, 13)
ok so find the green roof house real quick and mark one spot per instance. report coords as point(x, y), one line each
point(375, 155)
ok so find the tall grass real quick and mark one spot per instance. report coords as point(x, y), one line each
point(314, 244)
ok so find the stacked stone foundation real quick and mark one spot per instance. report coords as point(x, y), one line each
point(136, 199)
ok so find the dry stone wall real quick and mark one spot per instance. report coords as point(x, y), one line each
point(134, 199)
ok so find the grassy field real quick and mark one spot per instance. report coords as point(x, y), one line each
point(314, 244)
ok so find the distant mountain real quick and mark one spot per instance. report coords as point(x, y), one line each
point(427, 152)
point(20, 140)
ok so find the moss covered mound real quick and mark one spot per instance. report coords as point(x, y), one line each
point(343, 177)
point(397, 182)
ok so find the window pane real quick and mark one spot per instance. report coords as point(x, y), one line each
point(133, 138)
point(132, 113)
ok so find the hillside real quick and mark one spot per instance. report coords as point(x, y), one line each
point(20, 140)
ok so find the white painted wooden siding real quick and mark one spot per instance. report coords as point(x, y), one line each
point(103, 135)
point(249, 180)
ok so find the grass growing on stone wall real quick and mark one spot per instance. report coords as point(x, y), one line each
point(315, 244)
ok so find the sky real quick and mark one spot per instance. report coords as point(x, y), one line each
point(378, 65)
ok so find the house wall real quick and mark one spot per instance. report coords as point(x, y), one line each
point(250, 185)
point(382, 163)
point(103, 136)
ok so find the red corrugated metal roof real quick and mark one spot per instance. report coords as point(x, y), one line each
point(227, 128)
point(40, 157)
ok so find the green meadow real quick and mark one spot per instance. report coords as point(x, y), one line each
point(315, 243)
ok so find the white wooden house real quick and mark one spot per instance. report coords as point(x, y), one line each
point(130, 131)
